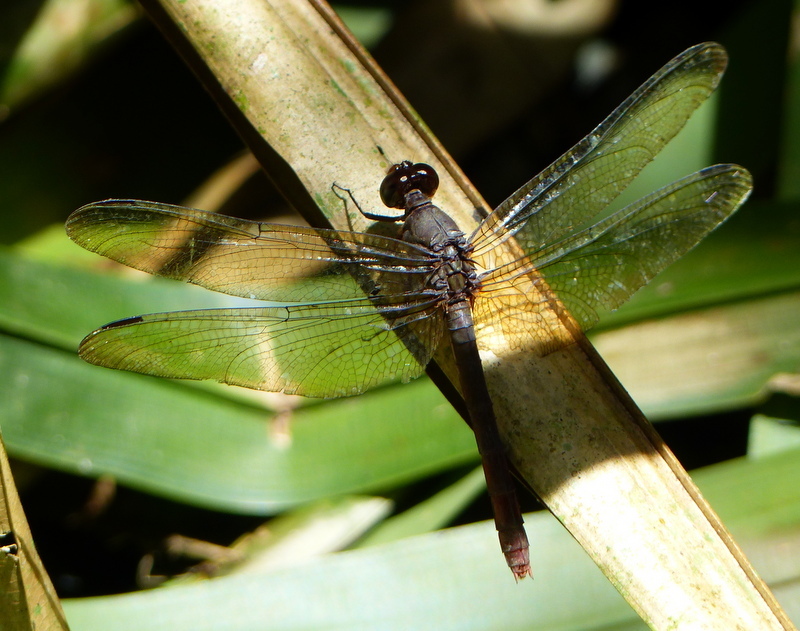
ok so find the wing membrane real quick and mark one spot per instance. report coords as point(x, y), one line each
point(369, 317)
point(602, 266)
point(327, 350)
point(245, 258)
point(583, 181)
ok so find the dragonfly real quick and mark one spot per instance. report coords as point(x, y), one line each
point(348, 311)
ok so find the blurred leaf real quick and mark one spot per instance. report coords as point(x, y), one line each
point(770, 435)
point(311, 532)
point(61, 39)
point(175, 440)
point(293, 538)
point(706, 360)
point(368, 24)
point(429, 515)
point(396, 586)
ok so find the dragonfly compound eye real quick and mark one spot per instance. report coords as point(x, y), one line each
point(406, 177)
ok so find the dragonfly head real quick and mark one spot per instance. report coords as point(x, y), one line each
point(405, 177)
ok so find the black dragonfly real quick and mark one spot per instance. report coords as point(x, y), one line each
point(357, 310)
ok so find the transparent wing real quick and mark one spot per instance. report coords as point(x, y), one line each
point(249, 259)
point(602, 266)
point(583, 181)
point(318, 350)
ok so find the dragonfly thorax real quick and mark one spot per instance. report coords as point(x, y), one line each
point(429, 226)
point(410, 186)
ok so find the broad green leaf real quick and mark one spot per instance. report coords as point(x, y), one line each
point(205, 449)
point(453, 579)
point(706, 360)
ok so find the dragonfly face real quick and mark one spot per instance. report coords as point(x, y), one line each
point(405, 177)
point(359, 309)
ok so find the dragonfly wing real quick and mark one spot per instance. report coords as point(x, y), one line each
point(602, 266)
point(583, 181)
point(246, 258)
point(318, 350)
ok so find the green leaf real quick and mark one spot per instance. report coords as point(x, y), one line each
point(411, 584)
point(431, 514)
